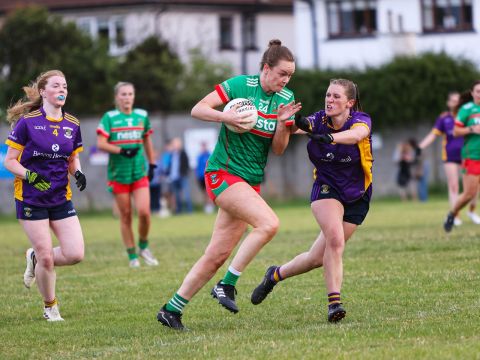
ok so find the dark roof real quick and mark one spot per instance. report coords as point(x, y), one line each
point(8, 5)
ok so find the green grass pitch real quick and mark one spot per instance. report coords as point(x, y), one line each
point(410, 291)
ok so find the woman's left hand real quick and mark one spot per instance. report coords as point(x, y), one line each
point(285, 112)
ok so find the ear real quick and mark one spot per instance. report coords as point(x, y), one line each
point(265, 68)
point(350, 103)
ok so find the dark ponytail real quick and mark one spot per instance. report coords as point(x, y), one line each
point(466, 97)
point(275, 52)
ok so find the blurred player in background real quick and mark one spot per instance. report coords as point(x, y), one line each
point(43, 150)
point(125, 134)
point(451, 153)
point(341, 151)
point(233, 176)
point(467, 124)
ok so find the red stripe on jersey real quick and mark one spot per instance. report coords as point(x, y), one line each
point(459, 123)
point(267, 116)
point(118, 129)
point(289, 122)
point(103, 133)
point(474, 116)
point(221, 92)
point(261, 133)
point(148, 133)
point(115, 142)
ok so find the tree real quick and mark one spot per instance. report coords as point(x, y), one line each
point(155, 71)
point(199, 79)
point(33, 41)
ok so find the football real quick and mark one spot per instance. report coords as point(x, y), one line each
point(245, 107)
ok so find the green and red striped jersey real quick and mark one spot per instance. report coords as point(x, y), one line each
point(126, 131)
point(245, 154)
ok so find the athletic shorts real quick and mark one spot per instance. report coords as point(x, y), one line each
point(354, 212)
point(31, 212)
point(217, 182)
point(471, 167)
point(119, 188)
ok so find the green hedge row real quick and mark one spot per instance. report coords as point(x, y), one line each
point(404, 92)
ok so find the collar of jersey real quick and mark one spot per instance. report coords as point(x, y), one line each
point(49, 118)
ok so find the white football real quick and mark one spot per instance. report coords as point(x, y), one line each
point(245, 107)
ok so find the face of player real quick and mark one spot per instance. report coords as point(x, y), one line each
point(476, 94)
point(55, 92)
point(277, 77)
point(336, 101)
point(453, 101)
point(124, 98)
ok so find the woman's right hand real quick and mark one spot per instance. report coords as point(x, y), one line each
point(233, 118)
point(475, 129)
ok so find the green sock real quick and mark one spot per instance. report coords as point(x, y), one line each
point(132, 253)
point(231, 277)
point(143, 244)
point(176, 304)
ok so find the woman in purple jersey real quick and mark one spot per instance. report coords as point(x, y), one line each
point(43, 151)
point(451, 153)
point(340, 149)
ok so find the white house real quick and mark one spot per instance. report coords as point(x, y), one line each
point(233, 31)
point(359, 33)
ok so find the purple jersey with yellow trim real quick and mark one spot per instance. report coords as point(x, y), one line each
point(345, 168)
point(46, 145)
point(451, 145)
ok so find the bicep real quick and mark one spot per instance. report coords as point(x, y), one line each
point(12, 154)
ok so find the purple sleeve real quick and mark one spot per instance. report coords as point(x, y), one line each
point(363, 118)
point(440, 124)
point(78, 144)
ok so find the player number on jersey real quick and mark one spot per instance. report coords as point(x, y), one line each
point(55, 132)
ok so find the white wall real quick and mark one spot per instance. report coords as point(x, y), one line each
point(391, 39)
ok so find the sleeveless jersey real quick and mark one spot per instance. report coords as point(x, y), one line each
point(245, 155)
point(345, 168)
point(46, 145)
point(468, 115)
point(126, 131)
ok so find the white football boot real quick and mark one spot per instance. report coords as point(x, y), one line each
point(148, 257)
point(29, 274)
point(52, 314)
point(134, 263)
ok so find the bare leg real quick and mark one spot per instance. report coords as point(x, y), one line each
point(38, 232)
point(141, 198)
point(470, 189)
point(313, 258)
point(227, 232)
point(125, 208)
point(69, 234)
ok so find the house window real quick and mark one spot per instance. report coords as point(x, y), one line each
point(446, 15)
point(111, 30)
point(226, 33)
point(250, 32)
point(349, 18)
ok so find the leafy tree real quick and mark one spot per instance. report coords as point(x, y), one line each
point(199, 79)
point(155, 71)
point(33, 41)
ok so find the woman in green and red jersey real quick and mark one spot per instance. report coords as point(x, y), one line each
point(125, 134)
point(467, 124)
point(234, 173)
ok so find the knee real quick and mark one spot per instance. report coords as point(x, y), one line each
point(45, 261)
point(76, 257)
point(335, 242)
point(143, 214)
point(314, 261)
point(126, 217)
point(270, 228)
point(216, 257)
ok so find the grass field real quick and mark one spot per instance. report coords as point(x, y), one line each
point(411, 292)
